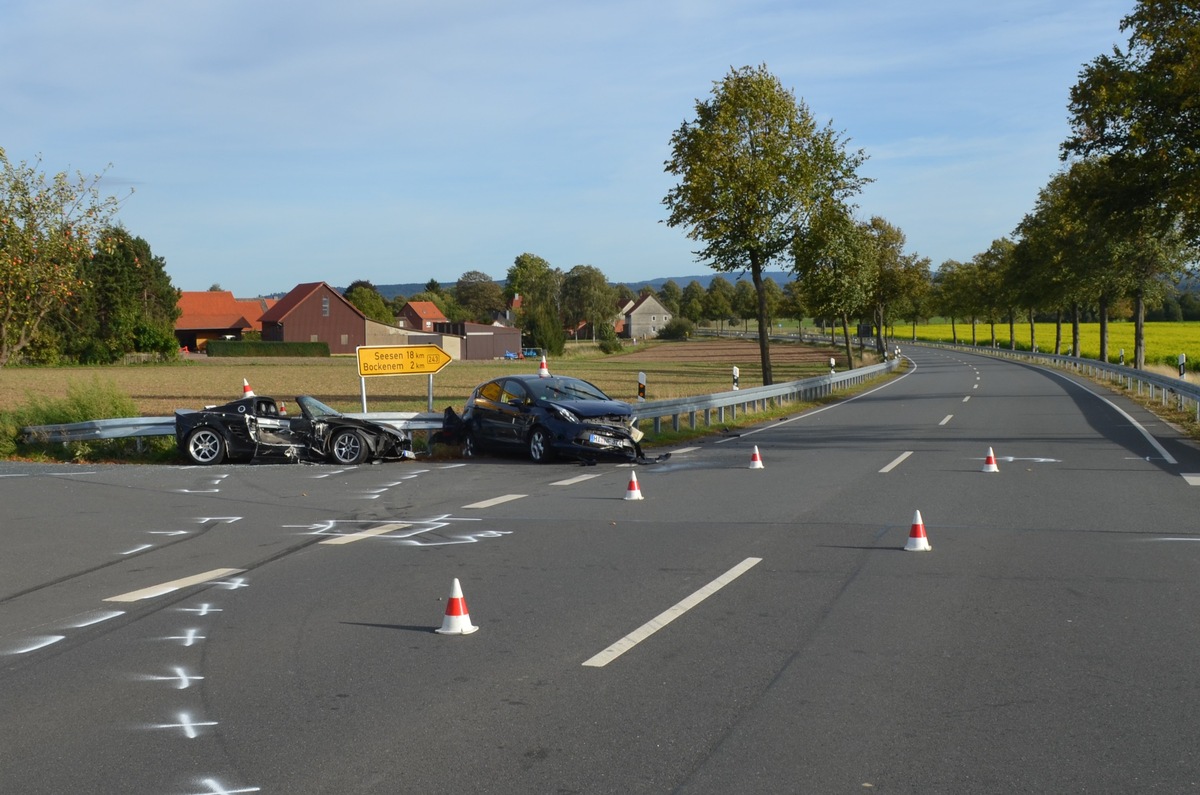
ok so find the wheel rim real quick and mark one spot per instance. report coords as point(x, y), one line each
point(205, 446)
point(537, 446)
point(347, 447)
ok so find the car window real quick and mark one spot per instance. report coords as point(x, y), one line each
point(490, 391)
point(515, 391)
point(570, 389)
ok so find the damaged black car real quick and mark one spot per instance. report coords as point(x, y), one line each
point(255, 427)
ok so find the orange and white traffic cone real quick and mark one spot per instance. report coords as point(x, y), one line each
point(246, 390)
point(457, 620)
point(756, 460)
point(634, 492)
point(917, 542)
point(989, 463)
point(543, 370)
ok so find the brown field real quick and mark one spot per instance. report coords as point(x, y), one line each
point(673, 369)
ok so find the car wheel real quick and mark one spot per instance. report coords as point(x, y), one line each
point(348, 447)
point(470, 446)
point(205, 446)
point(539, 445)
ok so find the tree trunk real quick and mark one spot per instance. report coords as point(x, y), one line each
point(1058, 333)
point(1139, 329)
point(764, 328)
point(849, 345)
point(1032, 334)
point(953, 330)
point(1075, 330)
point(1104, 328)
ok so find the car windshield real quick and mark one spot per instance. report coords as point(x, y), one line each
point(316, 408)
point(560, 389)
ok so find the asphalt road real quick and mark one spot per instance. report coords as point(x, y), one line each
point(235, 629)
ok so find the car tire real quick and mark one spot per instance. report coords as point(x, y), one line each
point(205, 447)
point(470, 445)
point(539, 445)
point(348, 447)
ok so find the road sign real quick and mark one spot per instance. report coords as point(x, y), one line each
point(401, 360)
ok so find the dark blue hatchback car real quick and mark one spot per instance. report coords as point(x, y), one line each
point(547, 416)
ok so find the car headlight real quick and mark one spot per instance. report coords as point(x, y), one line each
point(564, 414)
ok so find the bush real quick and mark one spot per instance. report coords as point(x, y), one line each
point(607, 339)
point(678, 328)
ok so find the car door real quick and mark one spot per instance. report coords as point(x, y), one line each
point(488, 419)
point(517, 404)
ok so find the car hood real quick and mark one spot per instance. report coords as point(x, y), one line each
point(587, 409)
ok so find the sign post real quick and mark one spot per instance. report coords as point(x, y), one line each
point(399, 360)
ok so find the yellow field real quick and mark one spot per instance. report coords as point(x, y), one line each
point(1164, 341)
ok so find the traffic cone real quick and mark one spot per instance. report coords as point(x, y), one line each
point(917, 542)
point(633, 492)
point(756, 459)
point(989, 464)
point(246, 390)
point(457, 620)
point(543, 371)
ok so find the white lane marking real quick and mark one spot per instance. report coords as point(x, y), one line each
point(220, 519)
point(496, 501)
point(1153, 442)
point(219, 789)
point(350, 538)
point(1171, 539)
point(1192, 478)
point(974, 386)
point(182, 678)
point(39, 642)
point(574, 480)
point(683, 450)
point(173, 585)
point(452, 466)
point(670, 614)
point(896, 462)
point(808, 414)
point(945, 419)
point(968, 397)
point(97, 618)
point(167, 532)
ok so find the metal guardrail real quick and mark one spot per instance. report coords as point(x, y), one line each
point(1156, 387)
point(733, 401)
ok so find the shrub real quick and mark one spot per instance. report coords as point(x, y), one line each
point(607, 339)
point(678, 328)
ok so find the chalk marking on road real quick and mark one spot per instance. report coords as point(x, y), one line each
point(496, 501)
point(219, 519)
point(220, 789)
point(350, 538)
point(138, 549)
point(452, 466)
point(167, 532)
point(188, 638)
point(968, 397)
point(1170, 459)
point(182, 678)
point(574, 480)
point(897, 461)
point(40, 642)
point(1171, 539)
point(174, 585)
point(188, 725)
point(98, 618)
point(1191, 478)
point(945, 419)
point(808, 414)
point(202, 610)
point(667, 616)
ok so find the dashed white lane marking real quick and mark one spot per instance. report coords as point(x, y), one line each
point(1191, 478)
point(686, 450)
point(945, 419)
point(173, 585)
point(897, 461)
point(670, 614)
point(496, 501)
point(452, 466)
point(350, 538)
point(968, 397)
point(574, 480)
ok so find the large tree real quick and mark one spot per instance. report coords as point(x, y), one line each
point(753, 167)
point(129, 303)
point(587, 297)
point(1138, 106)
point(368, 300)
point(48, 228)
point(540, 288)
point(479, 295)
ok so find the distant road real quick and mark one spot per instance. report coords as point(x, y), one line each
point(270, 628)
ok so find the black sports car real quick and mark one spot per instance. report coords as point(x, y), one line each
point(549, 415)
point(255, 426)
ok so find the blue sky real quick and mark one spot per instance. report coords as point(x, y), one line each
point(272, 143)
